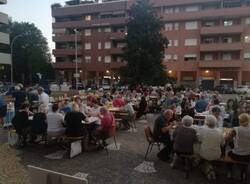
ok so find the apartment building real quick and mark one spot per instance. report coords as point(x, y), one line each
point(5, 58)
point(209, 40)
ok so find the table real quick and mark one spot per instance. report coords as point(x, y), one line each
point(92, 120)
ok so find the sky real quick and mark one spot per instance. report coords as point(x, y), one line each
point(33, 11)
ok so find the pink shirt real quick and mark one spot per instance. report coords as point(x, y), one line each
point(118, 102)
point(108, 121)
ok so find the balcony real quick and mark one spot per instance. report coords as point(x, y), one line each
point(4, 18)
point(4, 38)
point(69, 51)
point(116, 51)
point(117, 36)
point(220, 64)
point(93, 23)
point(102, 66)
point(221, 47)
point(223, 12)
point(5, 58)
point(66, 38)
point(64, 65)
point(221, 30)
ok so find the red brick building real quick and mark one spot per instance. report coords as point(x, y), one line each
point(209, 40)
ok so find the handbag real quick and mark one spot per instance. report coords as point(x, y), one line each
point(75, 148)
point(12, 137)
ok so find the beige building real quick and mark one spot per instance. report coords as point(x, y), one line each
point(5, 59)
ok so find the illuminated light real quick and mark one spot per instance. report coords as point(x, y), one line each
point(107, 71)
point(170, 71)
point(207, 71)
point(80, 71)
point(226, 79)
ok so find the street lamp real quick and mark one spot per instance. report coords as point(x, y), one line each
point(11, 55)
point(76, 74)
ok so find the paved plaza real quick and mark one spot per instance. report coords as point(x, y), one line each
point(117, 168)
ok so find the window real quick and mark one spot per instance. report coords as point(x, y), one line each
point(87, 59)
point(107, 45)
point(247, 39)
point(176, 26)
point(121, 45)
point(190, 57)
point(99, 45)
point(99, 59)
point(87, 17)
point(87, 32)
point(208, 57)
point(191, 25)
point(226, 56)
point(169, 43)
point(107, 30)
point(191, 42)
point(177, 10)
point(167, 57)
point(247, 55)
point(176, 43)
point(192, 8)
point(168, 10)
point(99, 30)
point(247, 21)
point(107, 59)
point(119, 59)
point(228, 23)
point(209, 24)
point(168, 27)
point(209, 40)
point(175, 57)
point(227, 40)
point(87, 46)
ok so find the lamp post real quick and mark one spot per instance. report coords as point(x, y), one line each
point(76, 74)
point(11, 55)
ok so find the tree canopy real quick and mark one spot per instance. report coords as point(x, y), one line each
point(30, 53)
point(145, 46)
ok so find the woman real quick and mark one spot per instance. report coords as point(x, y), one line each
point(241, 136)
point(73, 122)
point(211, 141)
point(39, 122)
point(21, 122)
point(142, 107)
point(55, 122)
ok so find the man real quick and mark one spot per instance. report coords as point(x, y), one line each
point(163, 124)
point(201, 105)
point(19, 95)
point(43, 97)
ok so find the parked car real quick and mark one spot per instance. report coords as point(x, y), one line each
point(65, 86)
point(224, 89)
point(54, 87)
point(243, 89)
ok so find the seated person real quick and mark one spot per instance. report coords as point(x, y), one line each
point(21, 122)
point(65, 107)
point(184, 138)
point(118, 101)
point(39, 122)
point(73, 122)
point(107, 125)
point(142, 109)
point(131, 114)
point(241, 137)
point(55, 122)
point(211, 141)
point(216, 112)
point(163, 124)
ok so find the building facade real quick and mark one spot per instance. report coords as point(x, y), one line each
point(5, 59)
point(209, 40)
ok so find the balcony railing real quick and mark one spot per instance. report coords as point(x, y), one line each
point(63, 52)
point(4, 18)
point(66, 38)
point(117, 36)
point(221, 47)
point(222, 30)
point(220, 64)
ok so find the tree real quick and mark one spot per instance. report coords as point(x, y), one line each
point(30, 53)
point(145, 46)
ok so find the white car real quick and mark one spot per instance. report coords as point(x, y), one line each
point(65, 86)
point(242, 89)
point(54, 87)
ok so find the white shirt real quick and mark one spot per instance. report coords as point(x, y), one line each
point(211, 140)
point(55, 121)
point(44, 98)
point(242, 140)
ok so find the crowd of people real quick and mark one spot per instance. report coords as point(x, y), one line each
point(176, 126)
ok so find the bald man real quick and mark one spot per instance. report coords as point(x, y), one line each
point(161, 133)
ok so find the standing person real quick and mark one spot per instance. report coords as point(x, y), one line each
point(19, 95)
point(43, 97)
point(201, 105)
point(163, 124)
point(141, 110)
